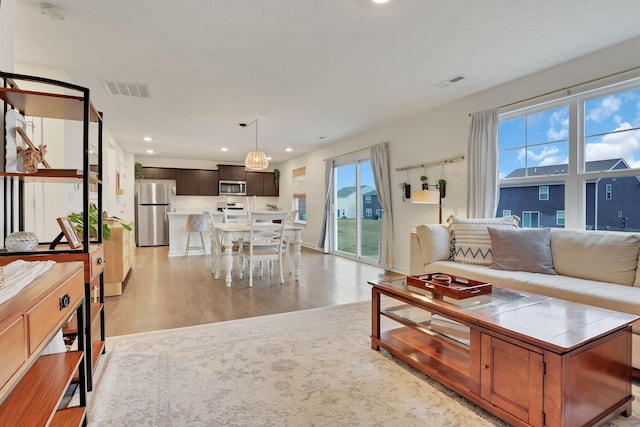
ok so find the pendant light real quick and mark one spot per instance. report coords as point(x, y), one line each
point(255, 159)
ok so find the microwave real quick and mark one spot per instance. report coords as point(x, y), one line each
point(232, 188)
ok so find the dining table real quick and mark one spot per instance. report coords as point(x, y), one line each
point(230, 232)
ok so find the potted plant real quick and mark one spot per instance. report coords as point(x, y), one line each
point(276, 177)
point(138, 171)
point(425, 184)
point(77, 219)
point(442, 185)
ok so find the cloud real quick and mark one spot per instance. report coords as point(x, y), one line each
point(624, 145)
point(608, 106)
point(559, 126)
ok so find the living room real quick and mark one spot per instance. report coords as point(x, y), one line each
point(436, 134)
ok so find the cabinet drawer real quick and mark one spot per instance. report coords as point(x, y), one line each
point(49, 313)
point(97, 262)
point(14, 349)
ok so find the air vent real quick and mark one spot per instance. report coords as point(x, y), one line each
point(137, 90)
point(447, 82)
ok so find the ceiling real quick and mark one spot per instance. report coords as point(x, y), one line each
point(312, 72)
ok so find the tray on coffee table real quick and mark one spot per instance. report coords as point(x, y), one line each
point(459, 288)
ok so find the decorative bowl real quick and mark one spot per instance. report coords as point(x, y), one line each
point(441, 279)
point(21, 241)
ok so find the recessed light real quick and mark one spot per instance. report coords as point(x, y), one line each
point(269, 158)
point(380, 1)
point(150, 151)
point(147, 138)
point(288, 149)
point(224, 149)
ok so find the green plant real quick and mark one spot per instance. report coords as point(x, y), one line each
point(139, 170)
point(77, 219)
point(423, 178)
point(276, 177)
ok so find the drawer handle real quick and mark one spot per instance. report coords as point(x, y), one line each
point(65, 301)
point(99, 261)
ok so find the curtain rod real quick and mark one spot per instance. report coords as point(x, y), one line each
point(428, 165)
point(564, 89)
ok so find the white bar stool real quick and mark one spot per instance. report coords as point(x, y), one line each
point(196, 223)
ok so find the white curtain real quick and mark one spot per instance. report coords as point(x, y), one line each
point(323, 242)
point(482, 157)
point(380, 166)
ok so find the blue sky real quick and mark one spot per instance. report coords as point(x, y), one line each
point(346, 175)
point(541, 139)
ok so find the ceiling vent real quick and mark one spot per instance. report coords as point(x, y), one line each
point(447, 82)
point(137, 90)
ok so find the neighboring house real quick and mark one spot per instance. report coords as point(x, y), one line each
point(346, 200)
point(611, 203)
point(371, 207)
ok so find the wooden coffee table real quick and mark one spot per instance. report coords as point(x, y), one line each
point(531, 360)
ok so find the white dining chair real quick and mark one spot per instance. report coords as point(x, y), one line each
point(289, 239)
point(265, 242)
point(236, 216)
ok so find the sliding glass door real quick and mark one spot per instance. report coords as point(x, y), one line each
point(357, 210)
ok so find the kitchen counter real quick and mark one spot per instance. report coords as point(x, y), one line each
point(178, 235)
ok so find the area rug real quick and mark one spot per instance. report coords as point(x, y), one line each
point(306, 368)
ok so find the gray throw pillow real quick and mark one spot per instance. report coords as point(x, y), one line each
point(523, 249)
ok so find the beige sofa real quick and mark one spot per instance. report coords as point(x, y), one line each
point(598, 268)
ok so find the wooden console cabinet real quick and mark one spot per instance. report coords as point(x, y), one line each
point(118, 253)
point(528, 359)
point(32, 385)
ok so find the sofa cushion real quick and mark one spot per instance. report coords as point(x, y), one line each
point(606, 256)
point(434, 242)
point(524, 249)
point(470, 241)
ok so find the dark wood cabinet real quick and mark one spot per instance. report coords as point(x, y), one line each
point(231, 172)
point(196, 182)
point(159, 173)
point(261, 184)
point(187, 182)
point(208, 182)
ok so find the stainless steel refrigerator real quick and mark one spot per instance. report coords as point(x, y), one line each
point(152, 206)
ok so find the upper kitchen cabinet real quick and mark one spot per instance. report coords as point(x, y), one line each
point(261, 184)
point(231, 172)
point(159, 173)
point(196, 182)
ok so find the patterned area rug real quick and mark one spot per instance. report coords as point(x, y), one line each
point(305, 368)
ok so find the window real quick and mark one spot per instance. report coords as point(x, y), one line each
point(299, 195)
point(565, 156)
point(530, 219)
point(367, 200)
point(368, 212)
point(543, 192)
point(506, 212)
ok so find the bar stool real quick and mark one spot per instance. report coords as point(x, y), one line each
point(196, 223)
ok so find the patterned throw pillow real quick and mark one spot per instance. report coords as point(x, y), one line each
point(470, 240)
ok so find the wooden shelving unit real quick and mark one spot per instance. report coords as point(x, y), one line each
point(76, 107)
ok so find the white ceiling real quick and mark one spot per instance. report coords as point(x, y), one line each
point(307, 69)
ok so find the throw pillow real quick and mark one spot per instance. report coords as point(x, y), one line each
point(470, 241)
point(527, 249)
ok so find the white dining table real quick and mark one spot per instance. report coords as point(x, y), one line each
point(233, 231)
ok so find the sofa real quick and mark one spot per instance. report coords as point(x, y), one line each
point(598, 268)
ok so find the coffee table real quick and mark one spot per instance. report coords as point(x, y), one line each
point(531, 360)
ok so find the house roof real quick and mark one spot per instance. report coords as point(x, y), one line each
point(347, 191)
point(597, 165)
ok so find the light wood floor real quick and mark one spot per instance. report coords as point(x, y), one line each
point(164, 293)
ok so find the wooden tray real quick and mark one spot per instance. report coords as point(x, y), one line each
point(459, 288)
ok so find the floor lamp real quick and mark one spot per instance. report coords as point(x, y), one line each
point(430, 197)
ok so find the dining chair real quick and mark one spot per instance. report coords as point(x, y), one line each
point(265, 242)
point(289, 240)
point(236, 216)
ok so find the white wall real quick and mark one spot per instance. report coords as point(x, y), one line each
point(436, 135)
point(6, 35)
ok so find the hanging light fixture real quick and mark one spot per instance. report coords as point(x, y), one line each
point(255, 159)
